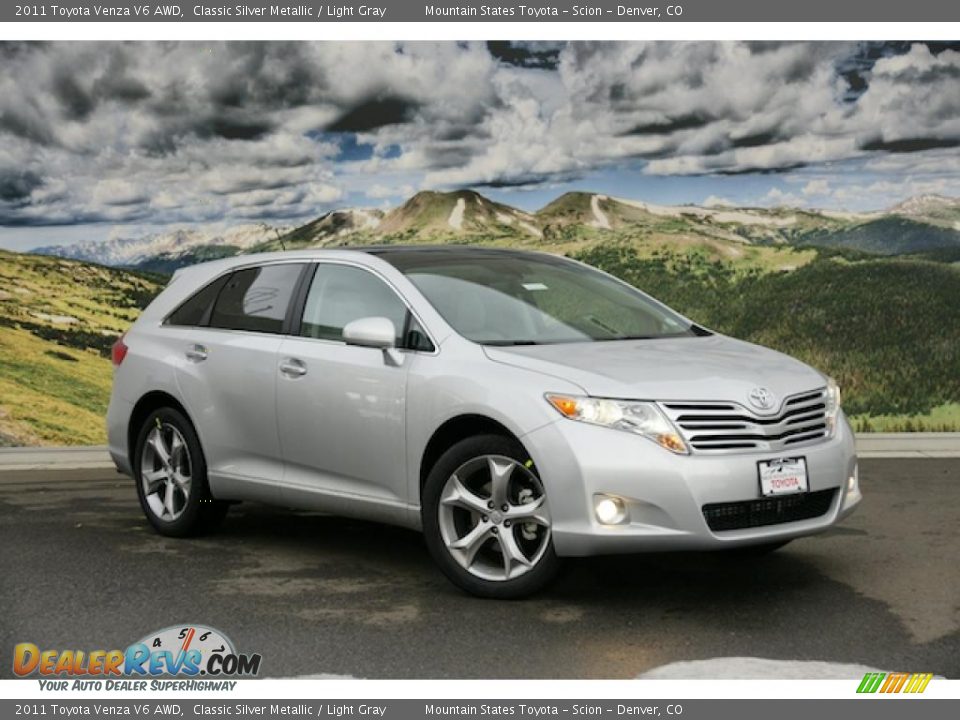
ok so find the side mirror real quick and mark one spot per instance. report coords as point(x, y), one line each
point(375, 332)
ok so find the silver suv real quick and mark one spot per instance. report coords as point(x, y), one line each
point(517, 407)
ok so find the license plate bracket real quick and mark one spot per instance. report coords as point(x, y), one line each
point(783, 476)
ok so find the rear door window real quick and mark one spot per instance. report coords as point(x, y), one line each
point(256, 298)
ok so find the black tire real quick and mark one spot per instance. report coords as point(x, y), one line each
point(200, 512)
point(530, 582)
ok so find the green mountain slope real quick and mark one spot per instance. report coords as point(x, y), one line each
point(892, 235)
point(58, 319)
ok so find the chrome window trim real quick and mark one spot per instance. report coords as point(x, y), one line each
point(227, 271)
point(305, 261)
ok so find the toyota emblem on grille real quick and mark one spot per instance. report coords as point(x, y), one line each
point(762, 398)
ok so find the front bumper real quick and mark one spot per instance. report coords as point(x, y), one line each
point(664, 493)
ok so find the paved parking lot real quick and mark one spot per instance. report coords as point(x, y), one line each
point(316, 594)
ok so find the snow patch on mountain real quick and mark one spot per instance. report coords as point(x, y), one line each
point(456, 215)
point(600, 218)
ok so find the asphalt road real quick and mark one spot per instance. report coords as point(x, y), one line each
point(80, 568)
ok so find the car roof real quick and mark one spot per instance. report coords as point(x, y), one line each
point(438, 249)
point(385, 252)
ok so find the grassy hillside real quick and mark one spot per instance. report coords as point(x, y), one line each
point(58, 319)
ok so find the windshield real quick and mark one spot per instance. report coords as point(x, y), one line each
point(503, 298)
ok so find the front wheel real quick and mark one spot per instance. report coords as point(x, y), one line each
point(486, 519)
point(171, 476)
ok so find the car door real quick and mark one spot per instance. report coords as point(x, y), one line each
point(229, 379)
point(342, 407)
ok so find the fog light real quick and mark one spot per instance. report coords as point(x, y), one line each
point(609, 510)
point(853, 480)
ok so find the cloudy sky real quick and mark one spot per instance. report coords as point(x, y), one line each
point(106, 139)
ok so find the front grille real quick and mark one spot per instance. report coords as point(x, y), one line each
point(767, 511)
point(730, 427)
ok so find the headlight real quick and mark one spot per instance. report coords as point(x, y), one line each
point(832, 401)
point(640, 418)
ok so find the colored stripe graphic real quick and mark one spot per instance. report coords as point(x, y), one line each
point(870, 683)
point(894, 682)
point(901, 682)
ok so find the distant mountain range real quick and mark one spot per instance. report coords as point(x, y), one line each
point(921, 224)
point(177, 247)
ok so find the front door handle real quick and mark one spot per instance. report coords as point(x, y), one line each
point(196, 353)
point(291, 367)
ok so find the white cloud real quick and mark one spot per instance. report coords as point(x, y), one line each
point(116, 191)
point(776, 197)
point(169, 132)
point(816, 187)
point(379, 191)
point(913, 99)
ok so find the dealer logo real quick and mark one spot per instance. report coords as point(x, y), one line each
point(178, 651)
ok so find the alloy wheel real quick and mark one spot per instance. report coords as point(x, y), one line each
point(166, 472)
point(493, 517)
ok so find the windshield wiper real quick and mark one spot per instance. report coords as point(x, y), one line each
point(602, 325)
point(507, 343)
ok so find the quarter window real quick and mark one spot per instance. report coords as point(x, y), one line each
point(340, 294)
point(194, 310)
point(256, 298)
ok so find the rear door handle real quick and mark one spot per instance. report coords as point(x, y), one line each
point(197, 353)
point(291, 367)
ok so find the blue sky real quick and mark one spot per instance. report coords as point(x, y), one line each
point(100, 140)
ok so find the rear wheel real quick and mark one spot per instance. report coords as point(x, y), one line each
point(171, 476)
point(486, 519)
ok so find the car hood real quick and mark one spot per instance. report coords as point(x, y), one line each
point(690, 368)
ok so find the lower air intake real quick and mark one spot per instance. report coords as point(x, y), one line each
point(767, 511)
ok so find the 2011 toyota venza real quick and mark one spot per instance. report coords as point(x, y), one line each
point(517, 407)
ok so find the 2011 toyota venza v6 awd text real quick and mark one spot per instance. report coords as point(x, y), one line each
point(517, 407)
